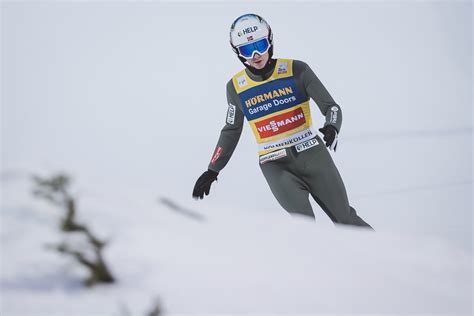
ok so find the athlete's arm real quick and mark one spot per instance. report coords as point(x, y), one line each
point(230, 133)
point(316, 91)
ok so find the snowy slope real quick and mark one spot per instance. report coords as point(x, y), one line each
point(223, 261)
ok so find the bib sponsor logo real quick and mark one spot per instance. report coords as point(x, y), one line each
point(242, 81)
point(273, 156)
point(264, 107)
point(280, 123)
point(306, 145)
point(282, 68)
point(269, 97)
point(231, 114)
point(289, 141)
point(277, 93)
point(216, 155)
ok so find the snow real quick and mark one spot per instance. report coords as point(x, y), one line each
point(228, 261)
point(90, 89)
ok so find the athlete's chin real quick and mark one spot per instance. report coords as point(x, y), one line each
point(258, 64)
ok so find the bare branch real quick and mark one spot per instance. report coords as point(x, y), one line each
point(55, 189)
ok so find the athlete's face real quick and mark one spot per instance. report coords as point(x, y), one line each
point(258, 61)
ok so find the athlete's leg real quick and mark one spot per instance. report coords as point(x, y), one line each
point(290, 191)
point(326, 186)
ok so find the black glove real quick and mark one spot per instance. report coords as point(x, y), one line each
point(203, 184)
point(330, 136)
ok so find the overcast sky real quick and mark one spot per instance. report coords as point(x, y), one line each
point(133, 94)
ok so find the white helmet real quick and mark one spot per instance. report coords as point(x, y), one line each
point(251, 29)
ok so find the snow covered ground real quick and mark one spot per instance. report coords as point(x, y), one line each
point(92, 89)
point(224, 261)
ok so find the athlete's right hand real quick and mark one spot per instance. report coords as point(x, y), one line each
point(203, 184)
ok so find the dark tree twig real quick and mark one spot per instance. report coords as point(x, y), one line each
point(55, 190)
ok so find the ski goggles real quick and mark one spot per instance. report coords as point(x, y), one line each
point(248, 50)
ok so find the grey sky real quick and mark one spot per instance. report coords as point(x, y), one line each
point(122, 92)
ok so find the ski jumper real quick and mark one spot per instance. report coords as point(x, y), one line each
point(293, 158)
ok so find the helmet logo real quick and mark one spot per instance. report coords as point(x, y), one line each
point(247, 31)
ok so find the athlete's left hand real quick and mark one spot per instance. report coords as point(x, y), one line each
point(330, 136)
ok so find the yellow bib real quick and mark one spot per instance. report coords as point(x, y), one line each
point(277, 111)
